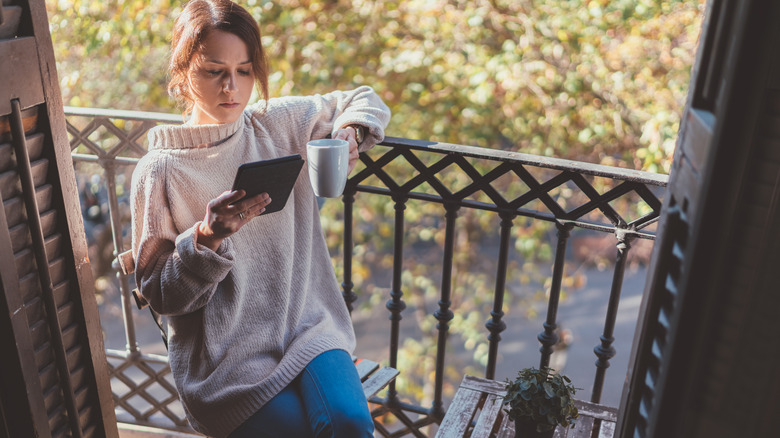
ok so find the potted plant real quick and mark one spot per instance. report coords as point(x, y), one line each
point(538, 400)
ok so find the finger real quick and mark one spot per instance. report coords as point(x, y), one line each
point(353, 159)
point(253, 207)
point(229, 197)
point(253, 212)
point(261, 200)
point(342, 134)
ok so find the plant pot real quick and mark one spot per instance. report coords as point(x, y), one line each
point(527, 429)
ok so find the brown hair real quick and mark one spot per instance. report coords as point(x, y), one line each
point(199, 18)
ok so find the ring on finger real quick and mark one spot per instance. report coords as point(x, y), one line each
point(241, 215)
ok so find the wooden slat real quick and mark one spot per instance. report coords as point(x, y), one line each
point(488, 417)
point(86, 420)
point(52, 398)
point(57, 271)
point(379, 380)
point(596, 411)
point(49, 222)
point(583, 428)
point(79, 376)
point(91, 429)
point(44, 195)
point(39, 333)
point(34, 310)
point(607, 429)
point(507, 427)
point(53, 248)
point(365, 367)
point(7, 161)
point(10, 187)
point(13, 211)
point(20, 237)
point(48, 376)
point(35, 143)
point(24, 262)
point(74, 357)
point(29, 287)
point(44, 355)
point(39, 169)
point(67, 316)
point(483, 385)
point(58, 422)
point(70, 334)
point(6, 157)
point(61, 291)
point(460, 413)
point(81, 395)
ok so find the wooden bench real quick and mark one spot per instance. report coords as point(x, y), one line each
point(476, 411)
point(372, 376)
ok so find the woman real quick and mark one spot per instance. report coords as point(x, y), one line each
point(260, 339)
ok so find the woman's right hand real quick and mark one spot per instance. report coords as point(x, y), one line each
point(223, 219)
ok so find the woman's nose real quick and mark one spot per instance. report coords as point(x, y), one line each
point(230, 85)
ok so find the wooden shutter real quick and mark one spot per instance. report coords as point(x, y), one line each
point(54, 377)
point(707, 350)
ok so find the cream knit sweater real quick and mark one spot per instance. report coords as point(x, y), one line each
point(245, 320)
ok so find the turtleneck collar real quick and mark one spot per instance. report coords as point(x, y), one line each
point(189, 136)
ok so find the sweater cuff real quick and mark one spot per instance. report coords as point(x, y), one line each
point(208, 264)
point(374, 133)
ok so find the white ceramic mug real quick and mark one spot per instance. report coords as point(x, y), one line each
point(328, 164)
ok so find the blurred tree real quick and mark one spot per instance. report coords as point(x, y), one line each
point(595, 80)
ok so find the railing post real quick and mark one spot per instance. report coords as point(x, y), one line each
point(605, 351)
point(548, 337)
point(495, 325)
point(109, 169)
point(346, 286)
point(396, 304)
point(444, 314)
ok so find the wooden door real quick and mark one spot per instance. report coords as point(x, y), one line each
point(706, 355)
point(53, 375)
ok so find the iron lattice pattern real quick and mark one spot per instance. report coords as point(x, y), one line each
point(555, 190)
point(110, 134)
point(623, 202)
point(144, 392)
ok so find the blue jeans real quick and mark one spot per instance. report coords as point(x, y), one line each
point(325, 400)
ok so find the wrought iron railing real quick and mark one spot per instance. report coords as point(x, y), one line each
point(510, 185)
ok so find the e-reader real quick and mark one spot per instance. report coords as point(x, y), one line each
point(276, 177)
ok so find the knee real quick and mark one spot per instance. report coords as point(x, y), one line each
point(355, 423)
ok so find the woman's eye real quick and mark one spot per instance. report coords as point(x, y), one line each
point(213, 72)
point(244, 72)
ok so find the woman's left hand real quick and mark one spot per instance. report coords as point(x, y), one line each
point(348, 133)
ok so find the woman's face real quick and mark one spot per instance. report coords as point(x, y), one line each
point(221, 79)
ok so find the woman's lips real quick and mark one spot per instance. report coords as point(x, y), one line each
point(229, 105)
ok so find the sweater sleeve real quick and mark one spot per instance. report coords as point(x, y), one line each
point(175, 274)
point(316, 116)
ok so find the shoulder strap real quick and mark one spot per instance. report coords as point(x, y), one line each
point(126, 264)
